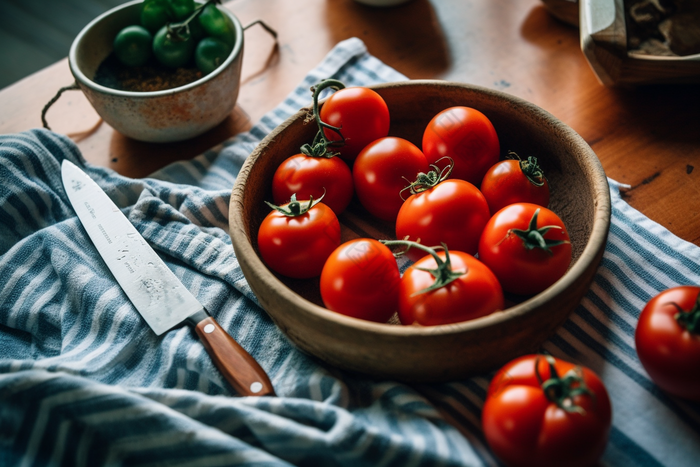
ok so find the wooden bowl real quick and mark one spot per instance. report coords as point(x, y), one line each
point(580, 195)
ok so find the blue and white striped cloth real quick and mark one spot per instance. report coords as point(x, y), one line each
point(84, 381)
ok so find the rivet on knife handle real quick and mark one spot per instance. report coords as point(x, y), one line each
point(236, 365)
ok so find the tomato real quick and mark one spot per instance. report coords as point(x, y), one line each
point(527, 246)
point(382, 170)
point(217, 24)
point(453, 212)
point(296, 239)
point(668, 340)
point(170, 50)
point(541, 411)
point(446, 287)
point(210, 54)
point(154, 14)
point(180, 9)
point(515, 181)
point(361, 279)
point(361, 115)
point(132, 45)
point(468, 137)
point(307, 176)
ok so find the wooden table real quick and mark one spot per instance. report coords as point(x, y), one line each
point(646, 137)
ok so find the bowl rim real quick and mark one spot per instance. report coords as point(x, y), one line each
point(590, 254)
point(84, 80)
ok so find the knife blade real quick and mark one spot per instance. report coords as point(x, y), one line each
point(156, 293)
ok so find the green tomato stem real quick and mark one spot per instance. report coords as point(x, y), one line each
point(426, 181)
point(319, 146)
point(443, 273)
point(534, 238)
point(690, 319)
point(180, 31)
point(562, 390)
point(296, 208)
point(530, 169)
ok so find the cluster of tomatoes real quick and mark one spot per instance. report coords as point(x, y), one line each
point(496, 234)
point(176, 32)
point(450, 201)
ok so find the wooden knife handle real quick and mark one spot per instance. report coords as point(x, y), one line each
point(236, 365)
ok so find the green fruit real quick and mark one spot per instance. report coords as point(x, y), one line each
point(210, 54)
point(132, 45)
point(172, 51)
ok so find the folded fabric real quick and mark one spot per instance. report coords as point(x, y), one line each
point(84, 381)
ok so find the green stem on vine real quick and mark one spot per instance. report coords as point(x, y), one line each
point(443, 273)
point(690, 319)
point(296, 208)
point(180, 31)
point(319, 147)
point(562, 390)
point(534, 238)
point(530, 169)
point(426, 181)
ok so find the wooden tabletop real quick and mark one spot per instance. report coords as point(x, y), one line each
point(646, 137)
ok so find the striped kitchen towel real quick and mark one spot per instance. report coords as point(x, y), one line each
point(84, 381)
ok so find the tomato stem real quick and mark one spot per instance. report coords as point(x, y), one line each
point(296, 208)
point(318, 148)
point(534, 238)
point(562, 390)
point(321, 143)
point(530, 169)
point(690, 319)
point(426, 181)
point(180, 31)
point(443, 273)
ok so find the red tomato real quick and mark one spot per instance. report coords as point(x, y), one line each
point(297, 245)
point(453, 212)
point(468, 137)
point(361, 279)
point(308, 176)
point(515, 181)
point(541, 412)
point(362, 116)
point(381, 171)
point(525, 267)
point(473, 294)
point(668, 341)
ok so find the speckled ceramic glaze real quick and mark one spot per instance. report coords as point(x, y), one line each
point(160, 116)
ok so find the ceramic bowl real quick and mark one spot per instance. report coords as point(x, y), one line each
point(580, 195)
point(160, 116)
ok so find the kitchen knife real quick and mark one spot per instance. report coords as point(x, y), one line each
point(158, 295)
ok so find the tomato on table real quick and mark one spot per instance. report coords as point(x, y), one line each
point(360, 114)
point(361, 279)
point(527, 246)
point(515, 181)
point(442, 210)
point(382, 170)
point(295, 239)
point(446, 287)
point(667, 338)
point(468, 137)
point(541, 411)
